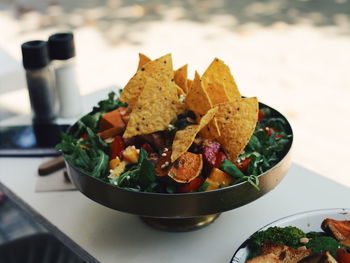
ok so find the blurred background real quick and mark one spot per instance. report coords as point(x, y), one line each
point(292, 54)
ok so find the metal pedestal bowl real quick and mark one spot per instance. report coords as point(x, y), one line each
point(181, 211)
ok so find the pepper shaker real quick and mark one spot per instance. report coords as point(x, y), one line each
point(62, 54)
point(40, 81)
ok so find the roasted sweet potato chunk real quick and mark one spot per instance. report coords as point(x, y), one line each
point(111, 132)
point(186, 168)
point(163, 164)
point(218, 179)
point(112, 119)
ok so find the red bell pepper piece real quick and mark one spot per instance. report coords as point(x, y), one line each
point(271, 131)
point(220, 157)
point(261, 115)
point(342, 256)
point(191, 186)
point(243, 164)
point(117, 148)
point(84, 136)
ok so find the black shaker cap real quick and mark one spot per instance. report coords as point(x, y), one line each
point(35, 54)
point(61, 46)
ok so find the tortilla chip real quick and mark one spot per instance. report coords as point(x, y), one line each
point(143, 59)
point(219, 83)
point(180, 77)
point(189, 84)
point(184, 138)
point(180, 91)
point(160, 69)
point(180, 106)
point(197, 100)
point(156, 107)
point(237, 120)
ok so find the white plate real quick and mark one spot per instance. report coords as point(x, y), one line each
point(306, 221)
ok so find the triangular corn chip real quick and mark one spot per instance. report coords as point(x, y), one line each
point(218, 82)
point(143, 59)
point(237, 120)
point(160, 69)
point(189, 84)
point(197, 100)
point(184, 138)
point(156, 107)
point(180, 77)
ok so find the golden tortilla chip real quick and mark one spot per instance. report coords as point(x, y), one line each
point(180, 77)
point(180, 106)
point(219, 83)
point(189, 84)
point(156, 107)
point(197, 100)
point(184, 138)
point(237, 120)
point(160, 69)
point(143, 59)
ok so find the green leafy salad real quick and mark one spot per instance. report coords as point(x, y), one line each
point(95, 146)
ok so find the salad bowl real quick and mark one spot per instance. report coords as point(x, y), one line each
point(182, 211)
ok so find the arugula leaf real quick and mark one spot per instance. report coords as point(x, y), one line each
point(147, 172)
point(203, 187)
point(109, 104)
point(87, 155)
point(141, 176)
point(90, 120)
point(230, 168)
point(254, 144)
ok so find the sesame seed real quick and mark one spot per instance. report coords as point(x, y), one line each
point(163, 154)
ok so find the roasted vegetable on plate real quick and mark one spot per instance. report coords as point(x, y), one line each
point(302, 238)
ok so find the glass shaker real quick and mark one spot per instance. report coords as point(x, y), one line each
point(40, 81)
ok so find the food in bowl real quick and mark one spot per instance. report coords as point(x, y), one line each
point(291, 244)
point(169, 134)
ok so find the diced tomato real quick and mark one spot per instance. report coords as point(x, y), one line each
point(209, 151)
point(147, 148)
point(343, 256)
point(261, 115)
point(243, 164)
point(271, 131)
point(117, 147)
point(191, 186)
point(220, 157)
point(84, 136)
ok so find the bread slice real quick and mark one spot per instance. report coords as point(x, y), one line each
point(284, 253)
point(269, 258)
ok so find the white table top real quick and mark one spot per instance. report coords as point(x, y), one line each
point(112, 236)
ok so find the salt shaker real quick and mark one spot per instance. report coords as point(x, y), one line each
point(40, 81)
point(62, 54)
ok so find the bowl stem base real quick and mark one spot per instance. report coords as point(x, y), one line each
point(180, 224)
